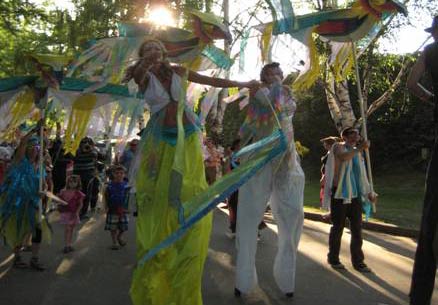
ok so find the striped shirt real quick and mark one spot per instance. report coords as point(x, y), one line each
point(85, 162)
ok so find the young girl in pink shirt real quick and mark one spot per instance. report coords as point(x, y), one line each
point(70, 212)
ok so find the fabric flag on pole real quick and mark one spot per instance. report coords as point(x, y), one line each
point(341, 25)
point(283, 15)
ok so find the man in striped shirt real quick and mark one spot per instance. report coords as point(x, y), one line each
point(85, 166)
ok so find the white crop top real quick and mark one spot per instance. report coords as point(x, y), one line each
point(157, 97)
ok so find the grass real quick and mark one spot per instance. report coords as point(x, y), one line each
point(400, 197)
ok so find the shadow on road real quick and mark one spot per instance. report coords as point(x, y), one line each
point(317, 283)
point(95, 275)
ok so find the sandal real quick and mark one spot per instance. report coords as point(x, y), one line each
point(114, 247)
point(35, 264)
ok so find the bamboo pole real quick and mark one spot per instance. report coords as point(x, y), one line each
point(364, 120)
point(41, 164)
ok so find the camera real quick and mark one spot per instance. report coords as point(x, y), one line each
point(86, 147)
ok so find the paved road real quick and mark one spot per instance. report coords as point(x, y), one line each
point(96, 275)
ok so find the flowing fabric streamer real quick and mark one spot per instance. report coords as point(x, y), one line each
point(78, 121)
point(262, 152)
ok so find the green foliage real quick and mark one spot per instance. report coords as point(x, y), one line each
point(22, 27)
point(312, 122)
point(233, 119)
point(98, 19)
point(25, 28)
point(205, 5)
point(16, 13)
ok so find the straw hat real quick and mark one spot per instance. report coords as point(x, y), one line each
point(330, 139)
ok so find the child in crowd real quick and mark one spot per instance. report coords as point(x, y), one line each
point(70, 213)
point(93, 187)
point(116, 204)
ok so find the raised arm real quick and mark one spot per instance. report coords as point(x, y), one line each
point(21, 149)
point(344, 155)
point(413, 83)
point(139, 74)
point(219, 82)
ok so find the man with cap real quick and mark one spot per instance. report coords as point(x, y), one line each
point(346, 186)
point(423, 277)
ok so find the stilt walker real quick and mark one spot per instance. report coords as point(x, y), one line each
point(280, 182)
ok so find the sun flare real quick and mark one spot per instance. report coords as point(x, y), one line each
point(161, 16)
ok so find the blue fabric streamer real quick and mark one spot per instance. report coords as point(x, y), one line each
point(218, 56)
point(205, 208)
point(12, 83)
point(20, 194)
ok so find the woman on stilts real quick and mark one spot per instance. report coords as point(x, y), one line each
point(174, 275)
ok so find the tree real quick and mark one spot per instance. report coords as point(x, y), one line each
point(21, 28)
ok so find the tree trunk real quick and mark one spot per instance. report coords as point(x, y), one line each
point(338, 100)
point(338, 97)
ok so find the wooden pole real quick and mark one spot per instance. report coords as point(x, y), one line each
point(364, 120)
point(41, 161)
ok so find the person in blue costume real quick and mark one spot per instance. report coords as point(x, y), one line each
point(19, 202)
point(174, 275)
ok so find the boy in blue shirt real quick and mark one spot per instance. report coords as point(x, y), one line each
point(116, 206)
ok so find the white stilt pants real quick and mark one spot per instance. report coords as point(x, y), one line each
point(284, 191)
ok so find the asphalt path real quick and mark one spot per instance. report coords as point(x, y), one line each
point(96, 275)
